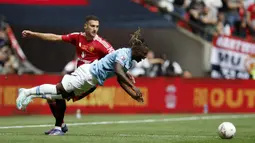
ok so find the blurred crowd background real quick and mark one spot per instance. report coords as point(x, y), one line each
point(208, 18)
point(9, 63)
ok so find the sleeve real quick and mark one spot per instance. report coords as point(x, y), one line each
point(121, 58)
point(106, 47)
point(71, 38)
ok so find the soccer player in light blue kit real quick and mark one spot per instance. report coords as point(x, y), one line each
point(88, 76)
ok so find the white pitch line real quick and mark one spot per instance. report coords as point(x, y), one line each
point(192, 118)
point(164, 136)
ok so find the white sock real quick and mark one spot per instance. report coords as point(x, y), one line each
point(48, 96)
point(58, 128)
point(52, 96)
point(42, 89)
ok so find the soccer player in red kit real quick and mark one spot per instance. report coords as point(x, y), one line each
point(89, 47)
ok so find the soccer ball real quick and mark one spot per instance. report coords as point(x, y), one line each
point(226, 130)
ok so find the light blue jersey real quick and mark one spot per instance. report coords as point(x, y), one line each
point(104, 68)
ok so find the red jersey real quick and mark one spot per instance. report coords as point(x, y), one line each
point(88, 51)
point(251, 9)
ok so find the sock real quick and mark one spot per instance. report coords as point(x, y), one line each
point(42, 89)
point(60, 112)
point(57, 127)
point(48, 96)
point(53, 107)
point(51, 96)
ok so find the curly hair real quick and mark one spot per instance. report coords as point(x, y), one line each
point(137, 43)
point(136, 38)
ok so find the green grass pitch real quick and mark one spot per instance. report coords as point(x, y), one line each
point(145, 128)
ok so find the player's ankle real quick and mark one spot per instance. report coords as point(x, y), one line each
point(63, 124)
point(57, 127)
point(26, 92)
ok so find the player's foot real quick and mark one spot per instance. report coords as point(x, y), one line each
point(64, 129)
point(20, 99)
point(27, 100)
point(49, 131)
point(56, 132)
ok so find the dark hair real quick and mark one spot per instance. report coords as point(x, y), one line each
point(137, 43)
point(91, 17)
point(136, 38)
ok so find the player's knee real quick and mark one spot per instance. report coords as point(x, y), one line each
point(50, 101)
point(62, 103)
point(61, 90)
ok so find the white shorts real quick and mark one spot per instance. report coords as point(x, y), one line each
point(80, 81)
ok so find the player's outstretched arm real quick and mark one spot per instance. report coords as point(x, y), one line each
point(126, 84)
point(131, 77)
point(122, 75)
point(43, 36)
point(130, 91)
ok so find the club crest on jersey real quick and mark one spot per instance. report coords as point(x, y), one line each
point(91, 48)
point(83, 47)
point(122, 58)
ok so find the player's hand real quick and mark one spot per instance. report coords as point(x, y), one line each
point(139, 95)
point(27, 33)
point(132, 78)
point(140, 99)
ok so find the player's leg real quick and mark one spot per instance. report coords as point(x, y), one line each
point(67, 85)
point(60, 114)
point(60, 127)
point(46, 91)
point(54, 110)
point(52, 105)
point(85, 94)
point(58, 108)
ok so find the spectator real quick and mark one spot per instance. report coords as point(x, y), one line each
point(250, 16)
point(222, 27)
point(230, 8)
point(195, 9)
point(249, 64)
point(3, 58)
point(213, 3)
point(208, 19)
point(180, 6)
point(165, 6)
point(173, 69)
point(147, 67)
point(247, 3)
point(153, 67)
point(236, 17)
point(8, 62)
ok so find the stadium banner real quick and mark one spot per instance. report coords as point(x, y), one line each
point(229, 56)
point(161, 95)
point(46, 2)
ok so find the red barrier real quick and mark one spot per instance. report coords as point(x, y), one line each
point(162, 95)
